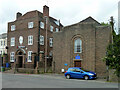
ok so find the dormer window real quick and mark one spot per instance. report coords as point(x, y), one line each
point(30, 24)
point(12, 27)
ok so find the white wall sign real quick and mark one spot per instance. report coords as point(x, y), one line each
point(21, 39)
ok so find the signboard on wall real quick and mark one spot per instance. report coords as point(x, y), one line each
point(65, 64)
point(77, 57)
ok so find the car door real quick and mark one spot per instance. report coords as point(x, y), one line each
point(78, 73)
point(72, 73)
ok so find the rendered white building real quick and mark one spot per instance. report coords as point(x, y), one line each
point(3, 43)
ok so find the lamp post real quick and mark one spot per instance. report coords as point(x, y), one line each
point(46, 20)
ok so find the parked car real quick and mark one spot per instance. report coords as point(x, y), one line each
point(78, 72)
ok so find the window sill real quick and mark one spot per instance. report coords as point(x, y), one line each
point(29, 61)
point(42, 44)
point(12, 46)
point(12, 61)
point(30, 44)
point(77, 52)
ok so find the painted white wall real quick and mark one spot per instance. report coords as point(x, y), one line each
point(3, 46)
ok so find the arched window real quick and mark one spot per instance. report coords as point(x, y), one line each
point(78, 46)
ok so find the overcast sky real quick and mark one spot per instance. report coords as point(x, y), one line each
point(68, 11)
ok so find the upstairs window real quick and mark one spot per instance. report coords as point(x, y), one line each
point(56, 29)
point(30, 40)
point(51, 28)
point(4, 43)
point(12, 41)
point(30, 24)
point(12, 27)
point(78, 46)
point(42, 25)
point(12, 57)
point(29, 56)
point(41, 40)
point(51, 42)
point(1, 43)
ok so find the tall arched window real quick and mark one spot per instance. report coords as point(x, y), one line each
point(78, 46)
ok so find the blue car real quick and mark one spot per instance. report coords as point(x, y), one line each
point(78, 72)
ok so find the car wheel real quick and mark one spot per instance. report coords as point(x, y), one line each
point(68, 76)
point(86, 77)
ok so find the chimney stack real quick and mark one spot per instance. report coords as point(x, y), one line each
point(18, 15)
point(45, 11)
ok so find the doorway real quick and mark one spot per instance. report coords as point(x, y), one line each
point(20, 61)
point(77, 63)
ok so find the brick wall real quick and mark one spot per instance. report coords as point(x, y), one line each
point(94, 43)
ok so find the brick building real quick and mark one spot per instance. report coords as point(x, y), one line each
point(82, 45)
point(27, 38)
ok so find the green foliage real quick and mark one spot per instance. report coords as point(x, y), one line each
point(104, 24)
point(113, 54)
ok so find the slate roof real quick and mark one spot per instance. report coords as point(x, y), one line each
point(33, 14)
point(90, 20)
point(3, 36)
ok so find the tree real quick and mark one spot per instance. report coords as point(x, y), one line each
point(104, 24)
point(112, 57)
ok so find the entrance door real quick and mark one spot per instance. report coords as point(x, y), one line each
point(77, 63)
point(20, 61)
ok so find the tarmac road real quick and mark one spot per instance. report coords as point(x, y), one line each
point(50, 81)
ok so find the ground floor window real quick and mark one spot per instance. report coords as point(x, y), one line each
point(12, 57)
point(29, 56)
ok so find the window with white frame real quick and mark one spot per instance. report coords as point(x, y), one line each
point(13, 41)
point(4, 43)
point(42, 25)
point(1, 52)
point(1, 43)
point(12, 57)
point(29, 56)
point(30, 40)
point(78, 46)
point(30, 24)
point(41, 40)
point(51, 28)
point(51, 42)
point(12, 27)
point(56, 29)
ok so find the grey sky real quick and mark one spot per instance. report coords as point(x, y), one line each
point(68, 11)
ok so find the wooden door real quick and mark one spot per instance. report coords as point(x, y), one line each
point(77, 63)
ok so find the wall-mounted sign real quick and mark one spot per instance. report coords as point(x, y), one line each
point(21, 46)
point(77, 57)
point(65, 64)
point(21, 39)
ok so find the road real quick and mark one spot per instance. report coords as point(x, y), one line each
point(50, 81)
